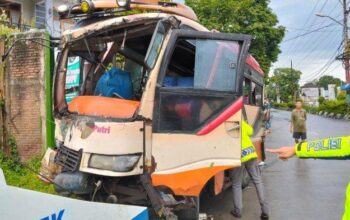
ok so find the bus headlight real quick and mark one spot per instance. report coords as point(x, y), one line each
point(123, 3)
point(120, 163)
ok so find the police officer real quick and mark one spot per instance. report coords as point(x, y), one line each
point(249, 163)
point(331, 148)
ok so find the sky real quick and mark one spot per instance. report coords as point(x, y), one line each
point(312, 53)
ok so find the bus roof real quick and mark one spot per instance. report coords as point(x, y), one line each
point(251, 61)
point(166, 8)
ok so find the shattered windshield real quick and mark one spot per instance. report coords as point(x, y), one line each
point(110, 64)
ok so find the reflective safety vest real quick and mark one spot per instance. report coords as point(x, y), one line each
point(346, 215)
point(330, 148)
point(248, 149)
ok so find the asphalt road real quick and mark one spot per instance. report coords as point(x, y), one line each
point(297, 189)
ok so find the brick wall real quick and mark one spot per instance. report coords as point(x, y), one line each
point(25, 94)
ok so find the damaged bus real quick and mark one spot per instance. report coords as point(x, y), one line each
point(148, 106)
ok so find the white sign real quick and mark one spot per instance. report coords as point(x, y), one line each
point(331, 92)
point(310, 92)
point(49, 16)
point(28, 204)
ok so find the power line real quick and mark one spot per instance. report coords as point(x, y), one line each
point(312, 47)
point(329, 71)
point(323, 73)
point(299, 30)
point(307, 20)
point(309, 32)
point(332, 58)
point(319, 72)
point(297, 46)
point(313, 41)
point(315, 74)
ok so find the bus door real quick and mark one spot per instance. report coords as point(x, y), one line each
point(197, 114)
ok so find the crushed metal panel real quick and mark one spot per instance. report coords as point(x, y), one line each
point(28, 204)
point(80, 32)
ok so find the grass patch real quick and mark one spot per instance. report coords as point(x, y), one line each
point(19, 176)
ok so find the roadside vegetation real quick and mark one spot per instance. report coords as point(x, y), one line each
point(22, 175)
point(326, 107)
point(15, 173)
point(284, 84)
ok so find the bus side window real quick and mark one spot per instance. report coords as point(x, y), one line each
point(252, 93)
point(258, 95)
point(200, 82)
point(247, 91)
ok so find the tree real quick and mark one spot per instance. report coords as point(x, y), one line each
point(285, 81)
point(324, 81)
point(252, 17)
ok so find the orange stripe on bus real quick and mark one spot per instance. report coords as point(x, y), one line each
point(103, 106)
point(188, 183)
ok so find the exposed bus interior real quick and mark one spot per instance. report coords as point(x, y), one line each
point(105, 73)
point(199, 82)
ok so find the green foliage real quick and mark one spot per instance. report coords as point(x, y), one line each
point(338, 106)
point(341, 96)
point(284, 105)
point(324, 81)
point(280, 105)
point(252, 17)
point(12, 145)
point(5, 30)
point(286, 81)
point(2, 102)
point(335, 106)
point(311, 109)
point(17, 175)
point(321, 100)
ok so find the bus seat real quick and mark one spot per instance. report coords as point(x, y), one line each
point(115, 82)
point(183, 107)
point(170, 81)
point(186, 82)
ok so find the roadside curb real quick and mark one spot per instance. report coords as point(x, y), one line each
point(333, 115)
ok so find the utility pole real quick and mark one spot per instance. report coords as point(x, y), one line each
point(346, 42)
point(291, 71)
point(345, 57)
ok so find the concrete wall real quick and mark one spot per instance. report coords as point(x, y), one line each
point(25, 94)
point(28, 11)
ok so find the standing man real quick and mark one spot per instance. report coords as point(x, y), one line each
point(249, 163)
point(298, 123)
